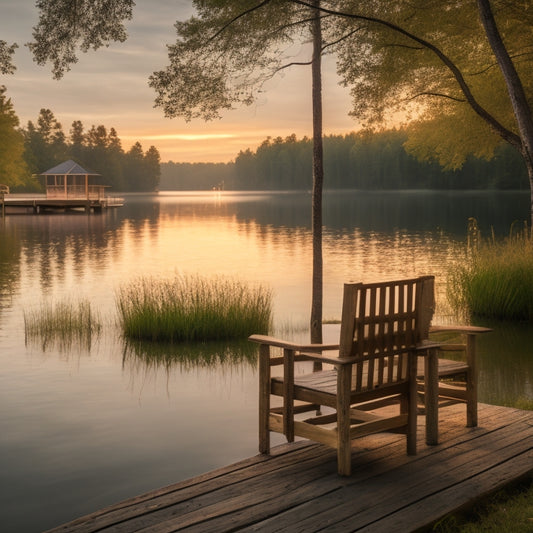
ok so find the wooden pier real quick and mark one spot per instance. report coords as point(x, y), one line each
point(297, 488)
point(41, 203)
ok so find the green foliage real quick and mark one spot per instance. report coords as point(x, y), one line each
point(223, 56)
point(13, 170)
point(6, 54)
point(497, 280)
point(97, 149)
point(431, 61)
point(152, 169)
point(141, 170)
point(364, 160)
point(192, 308)
point(45, 143)
point(65, 25)
point(507, 511)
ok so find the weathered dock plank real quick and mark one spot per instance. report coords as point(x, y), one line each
point(298, 489)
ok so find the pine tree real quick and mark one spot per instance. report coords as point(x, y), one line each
point(13, 170)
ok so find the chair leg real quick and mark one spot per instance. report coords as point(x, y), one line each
point(431, 396)
point(471, 382)
point(264, 398)
point(288, 394)
point(344, 447)
point(412, 407)
point(471, 401)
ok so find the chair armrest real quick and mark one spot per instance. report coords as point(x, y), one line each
point(330, 359)
point(308, 351)
point(272, 341)
point(470, 330)
point(428, 345)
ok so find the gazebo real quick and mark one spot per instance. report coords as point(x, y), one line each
point(70, 181)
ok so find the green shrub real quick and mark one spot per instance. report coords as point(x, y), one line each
point(192, 308)
point(497, 279)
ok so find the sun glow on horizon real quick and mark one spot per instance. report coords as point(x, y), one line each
point(182, 136)
point(215, 147)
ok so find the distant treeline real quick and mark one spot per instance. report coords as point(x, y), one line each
point(355, 161)
point(97, 149)
point(197, 176)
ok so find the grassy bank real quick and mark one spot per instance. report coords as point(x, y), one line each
point(497, 279)
point(192, 308)
point(508, 511)
point(496, 282)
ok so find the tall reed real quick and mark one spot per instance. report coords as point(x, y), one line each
point(193, 308)
point(64, 323)
point(497, 279)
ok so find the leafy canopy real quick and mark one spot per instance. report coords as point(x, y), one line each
point(224, 55)
point(65, 25)
point(437, 88)
point(6, 54)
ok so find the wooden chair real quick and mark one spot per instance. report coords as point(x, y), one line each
point(374, 365)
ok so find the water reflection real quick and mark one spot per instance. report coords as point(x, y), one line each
point(139, 357)
point(9, 266)
point(425, 210)
point(506, 363)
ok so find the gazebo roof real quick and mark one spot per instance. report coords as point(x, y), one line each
point(69, 168)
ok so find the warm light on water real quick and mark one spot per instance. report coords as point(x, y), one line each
point(88, 425)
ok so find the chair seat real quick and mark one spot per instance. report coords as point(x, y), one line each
point(324, 383)
point(447, 367)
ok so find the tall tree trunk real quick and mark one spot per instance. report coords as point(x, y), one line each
point(517, 95)
point(318, 179)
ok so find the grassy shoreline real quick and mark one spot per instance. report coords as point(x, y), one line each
point(497, 279)
point(509, 510)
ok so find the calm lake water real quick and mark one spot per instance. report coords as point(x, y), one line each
point(86, 425)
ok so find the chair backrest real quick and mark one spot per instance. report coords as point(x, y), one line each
point(380, 323)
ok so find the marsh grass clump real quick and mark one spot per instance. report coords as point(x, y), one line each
point(64, 323)
point(193, 308)
point(497, 279)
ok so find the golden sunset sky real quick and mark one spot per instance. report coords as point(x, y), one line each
point(110, 87)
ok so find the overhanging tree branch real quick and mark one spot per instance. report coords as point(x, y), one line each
point(497, 126)
point(340, 39)
point(239, 16)
point(439, 95)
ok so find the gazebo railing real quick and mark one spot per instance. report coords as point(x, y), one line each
point(75, 192)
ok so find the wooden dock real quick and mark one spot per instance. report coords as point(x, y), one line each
point(297, 488)
point(40, 203)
